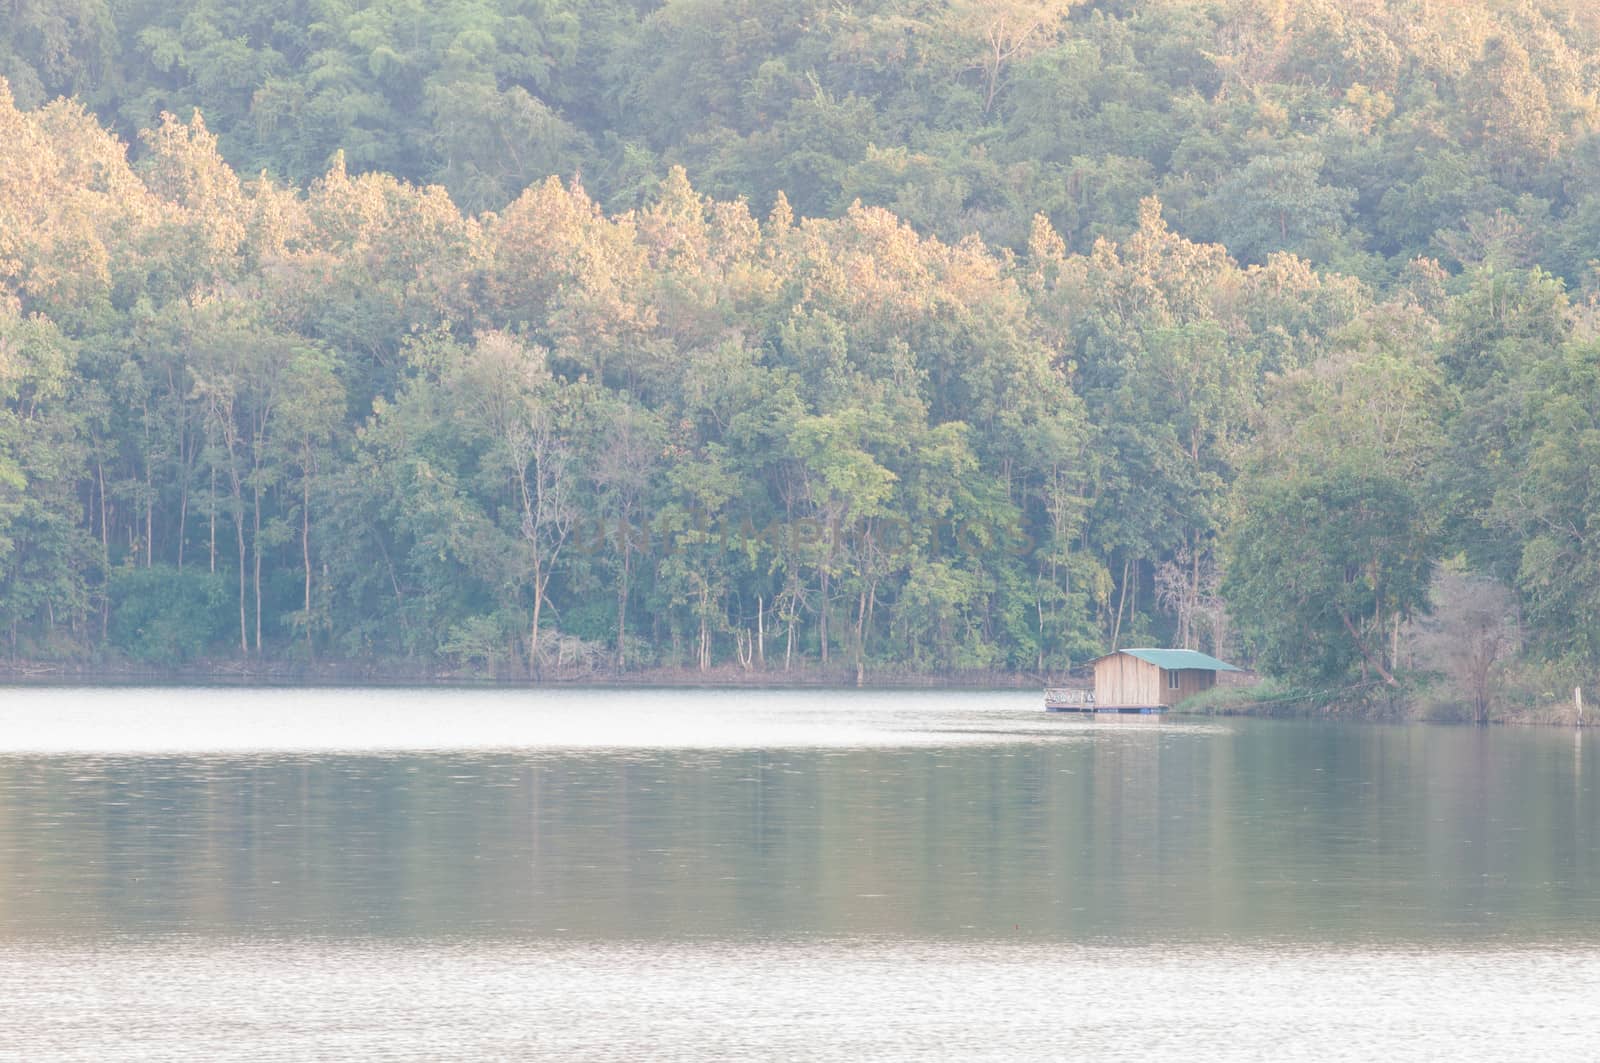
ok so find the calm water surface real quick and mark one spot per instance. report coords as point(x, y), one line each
point(253, 874)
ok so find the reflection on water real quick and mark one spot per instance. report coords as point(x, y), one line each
point(960, 869)
point(995, 819)
point(239, 720)
point(828, 1001)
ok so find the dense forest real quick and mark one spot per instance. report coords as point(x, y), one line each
point(560, 337)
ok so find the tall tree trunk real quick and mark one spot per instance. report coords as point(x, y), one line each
point(788, 646)
point(1038, 608)
point(1122, 599)
point(1366, 656)
point(185, 470)
point(105, 557)
point(1194, 597)
point(394, 583)
point(1377, 616)
point(305, 547)
point(183, 517)
point(705, 634)
point(533, 635)
point(149, 494)
point(822, 617)
point(992, 76)
point(255, 541)
point(861, 637)
point(238, 527)
point(622, 607)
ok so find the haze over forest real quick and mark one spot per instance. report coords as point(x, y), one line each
point(532, 336)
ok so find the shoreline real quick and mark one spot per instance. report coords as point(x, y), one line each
point(379, 674)
point(287, 676)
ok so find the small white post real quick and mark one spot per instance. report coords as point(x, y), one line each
point(1577, 703)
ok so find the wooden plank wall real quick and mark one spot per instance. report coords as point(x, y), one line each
point(1190, 681)
point(1121, 681)
point(1124, 681)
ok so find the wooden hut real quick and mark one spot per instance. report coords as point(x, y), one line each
point(1145, 680)
point(1153, 679)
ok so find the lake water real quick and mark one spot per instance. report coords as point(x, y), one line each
point(401, 874)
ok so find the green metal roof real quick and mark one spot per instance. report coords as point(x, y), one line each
point(1174, 659)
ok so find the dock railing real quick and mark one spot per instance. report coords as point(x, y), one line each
point(1068, 697)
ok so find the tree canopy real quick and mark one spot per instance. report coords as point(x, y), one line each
point(534, 336)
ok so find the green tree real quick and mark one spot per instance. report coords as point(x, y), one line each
point(1318, 564)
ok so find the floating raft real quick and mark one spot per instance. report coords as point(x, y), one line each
point(1081, 699)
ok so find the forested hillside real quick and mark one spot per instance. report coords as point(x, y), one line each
point(551, 337)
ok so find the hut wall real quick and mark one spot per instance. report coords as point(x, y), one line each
point(1190, 681)
point(1124, 681)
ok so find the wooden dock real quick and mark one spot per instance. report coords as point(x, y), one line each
point(1081, 699)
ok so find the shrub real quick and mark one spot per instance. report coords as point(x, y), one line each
point(166, 615)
